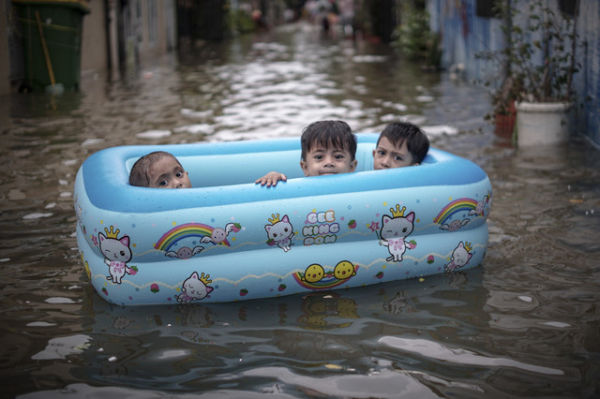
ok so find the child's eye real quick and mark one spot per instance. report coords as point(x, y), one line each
point(398, 158)
point(318, 157)
point(380, 152)
point(163, 183)
point(179, 174)
point(339, 156)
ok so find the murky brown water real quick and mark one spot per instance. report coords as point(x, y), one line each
point(525, 324)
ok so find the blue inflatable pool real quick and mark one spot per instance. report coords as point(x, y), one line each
point(228, 239)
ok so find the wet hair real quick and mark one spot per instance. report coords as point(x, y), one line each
point(417, 142)
point(139, 172)
point(336, 134)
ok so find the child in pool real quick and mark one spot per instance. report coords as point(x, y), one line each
point(159, 169)
point(400, 144)
point(328, 147)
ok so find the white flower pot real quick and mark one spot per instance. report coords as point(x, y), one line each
point(542, 123)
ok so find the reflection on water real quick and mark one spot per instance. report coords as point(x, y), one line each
point(434, 350)
point(525, 324)
point(333, 332)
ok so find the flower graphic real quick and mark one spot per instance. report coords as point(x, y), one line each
point(374, 226)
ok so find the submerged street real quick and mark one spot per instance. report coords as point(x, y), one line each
point(525, 321)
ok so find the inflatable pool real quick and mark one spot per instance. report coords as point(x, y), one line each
point(228, 239)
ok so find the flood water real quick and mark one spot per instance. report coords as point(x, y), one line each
point(524, 324)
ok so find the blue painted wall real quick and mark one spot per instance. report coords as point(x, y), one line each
point(464, 34)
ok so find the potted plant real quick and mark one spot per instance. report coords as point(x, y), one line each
point(505, 112)
point(539, 64)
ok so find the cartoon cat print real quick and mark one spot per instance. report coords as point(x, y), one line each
point(194, 288)
point(280, 232)
point(116, 254)
point(460, 257)
point(393, 232)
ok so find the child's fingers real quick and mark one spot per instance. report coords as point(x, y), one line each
point(271, 179)
point(277, 177)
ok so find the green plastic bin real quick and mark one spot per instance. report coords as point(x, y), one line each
point(61, 23)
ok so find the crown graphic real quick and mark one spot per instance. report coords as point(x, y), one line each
point(205, 279)
point(468, 246)
point(111, 233)
point(275, 218)
point(398, 212)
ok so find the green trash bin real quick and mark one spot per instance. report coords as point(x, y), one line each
point(56, 51)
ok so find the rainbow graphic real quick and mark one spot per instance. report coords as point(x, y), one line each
point(327, 282)
point(461, 204)
point(178, 233)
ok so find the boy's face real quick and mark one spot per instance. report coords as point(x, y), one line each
point(387, 156)
point(166, 172)
point(327, 161)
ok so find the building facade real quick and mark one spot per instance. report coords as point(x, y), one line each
point(466, 31)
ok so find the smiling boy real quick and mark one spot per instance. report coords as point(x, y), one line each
point(328, 147)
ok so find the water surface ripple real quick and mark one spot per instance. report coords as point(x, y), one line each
point(526, 324)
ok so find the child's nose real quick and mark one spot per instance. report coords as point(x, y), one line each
point(385, 162)
point(178, 183)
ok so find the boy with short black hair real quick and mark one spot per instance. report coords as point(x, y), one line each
point(159, 169)
point(400, 144)
point(328, 147)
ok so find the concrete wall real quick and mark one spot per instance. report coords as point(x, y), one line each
point(464, 34)
point(149, 34)
point(158, 24)
point(4, 53)
point(93, 41)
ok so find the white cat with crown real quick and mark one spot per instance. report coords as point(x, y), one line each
point(116, 254)
point(195, 287)
point(460, 256)
point(280, 232)
point(394, 230)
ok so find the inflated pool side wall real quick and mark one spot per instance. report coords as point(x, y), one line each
point(229, 239)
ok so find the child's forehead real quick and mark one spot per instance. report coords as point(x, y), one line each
point(317, 147)
point(396, 142)
point(169, 158)
point(327, 145)
point(167, 155)
point(165, 161)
